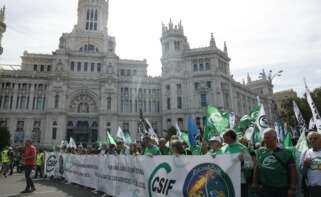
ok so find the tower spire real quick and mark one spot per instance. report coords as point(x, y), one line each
point(248, 78)
point(212, 42)
point(225, 48)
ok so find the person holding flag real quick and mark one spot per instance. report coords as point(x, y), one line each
point(232, 147)
point(121, 148)
point(216, 144)
point(275, 168)
point(311, 165)
point(150, 149)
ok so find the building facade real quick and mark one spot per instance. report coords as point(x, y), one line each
point(83, 88)
point(2, 27)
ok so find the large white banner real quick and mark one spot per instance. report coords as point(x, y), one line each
point(141, 176)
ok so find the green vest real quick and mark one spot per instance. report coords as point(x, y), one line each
point(271, 172)
point(4, 156)
point(39, 159)
point(231, 148)
point(153, 150)
point(210, 152)
point(196, 150)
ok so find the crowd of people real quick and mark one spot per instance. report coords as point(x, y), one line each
point(267, 169)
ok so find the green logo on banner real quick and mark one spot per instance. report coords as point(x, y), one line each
point(158, 184)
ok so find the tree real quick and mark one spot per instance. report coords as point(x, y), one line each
point(4, 137)
point(287, 114)
point(171, 131)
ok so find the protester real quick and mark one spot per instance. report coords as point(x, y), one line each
point(5, 161)
point(216, 144)
point(232, 146)
point(112, 149)
point(30, 161)
point(150, 149)
point(162, 146)
point(186, 148)
point(275, 168)
point(177, 148)
point(133, 149)
point(121, 148)
point(39, 163)
point(311, 165)
point(104, 149)
point(11, 156)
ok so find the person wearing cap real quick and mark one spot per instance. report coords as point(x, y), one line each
point(5, 161)
point(216, 144)
point(150, 149)
point(121, 148)
point(162, 146)
point(233, 147)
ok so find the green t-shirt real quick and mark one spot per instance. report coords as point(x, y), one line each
point(196, 150)
point(210, 152)
point(271, 172)
point(153, 150)
point(231, 148)
point(165, 151)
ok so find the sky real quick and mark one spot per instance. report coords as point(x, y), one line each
point(272, 35)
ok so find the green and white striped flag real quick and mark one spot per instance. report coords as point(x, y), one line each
point(109, 138)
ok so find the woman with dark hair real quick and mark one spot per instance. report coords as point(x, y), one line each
point(133, 149)
point(177, 148)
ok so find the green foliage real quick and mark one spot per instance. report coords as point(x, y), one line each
point(287, 114)
point(171, 131)
point(4, 137)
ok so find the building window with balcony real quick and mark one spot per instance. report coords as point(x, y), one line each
point(109, 103)
point(72, 66)
point(49, 68)
point(179, 102)
point(168, 103)
point(209, 84)
point(207, 66)
point(54, 133)
point(79, 66)
point(122, 72)
point(42, 68)
point(176, 45)
point(203, 100)
point(56, 101)
point(201, 67)
point(195, 68)
point(196, 85)
point(99, 67)
point(23, 102)
point(35, 67)
point(92, 67)
point(85, 66)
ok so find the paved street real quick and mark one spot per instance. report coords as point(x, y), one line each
point(13, 185)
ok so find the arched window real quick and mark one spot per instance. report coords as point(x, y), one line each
point(91, 19)
point(89, 48)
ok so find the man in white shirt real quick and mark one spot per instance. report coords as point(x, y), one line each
point(311, 164)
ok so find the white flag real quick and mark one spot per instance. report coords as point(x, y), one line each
point(315, 113)
point(120, 134)
point(249, 133)
point(232, 119)
point(151, 131)
point(258, 100)
point(72, 143)
point(178, 130)
point(261, 120)
point(311, 123)
point(299, 116)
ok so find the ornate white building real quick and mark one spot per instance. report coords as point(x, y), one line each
point(2, 27)
point(84, 88)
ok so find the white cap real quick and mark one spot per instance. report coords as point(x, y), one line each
point(216, 138)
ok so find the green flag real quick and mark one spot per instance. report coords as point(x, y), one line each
point(184, 137)
point(109, 138)
point(257, 137)
point(287, 142)
point(250, 119)
point(215, 120)
point(100, 143)
point(239, 133)
point(302, 144)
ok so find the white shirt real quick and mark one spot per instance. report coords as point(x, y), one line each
point(314, 171)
